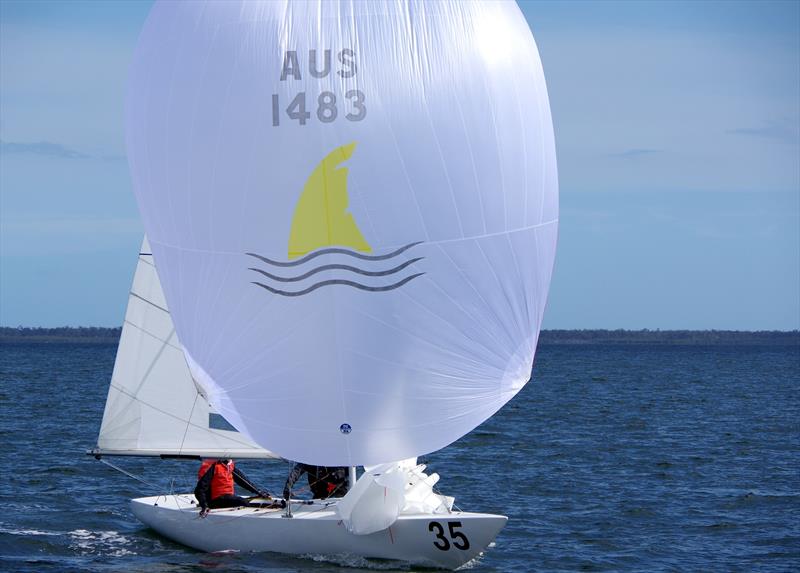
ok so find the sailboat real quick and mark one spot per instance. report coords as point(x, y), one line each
point(353, 212)
point(155, 409)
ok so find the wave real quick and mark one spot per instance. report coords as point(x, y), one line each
point(353, 284)
point(337, 267)
point(112, 543)
point(334, 250)
point(26, 532)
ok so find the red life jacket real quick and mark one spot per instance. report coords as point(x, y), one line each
point(222, 480)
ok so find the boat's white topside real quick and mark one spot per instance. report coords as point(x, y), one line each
point(439, 540)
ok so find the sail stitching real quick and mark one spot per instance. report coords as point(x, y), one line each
point(442, 241)
point(150, 334)
point(171, 415)
point(148, 302)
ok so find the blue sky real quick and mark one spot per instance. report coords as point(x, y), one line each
point(678, 134)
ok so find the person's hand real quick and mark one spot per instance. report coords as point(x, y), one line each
point(204, 512)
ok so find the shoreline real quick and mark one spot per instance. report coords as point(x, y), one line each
point(554, 337)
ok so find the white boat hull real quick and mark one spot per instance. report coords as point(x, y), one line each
point(437, 540)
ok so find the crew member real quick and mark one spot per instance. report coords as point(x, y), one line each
point(324, 481)
point(215, 486)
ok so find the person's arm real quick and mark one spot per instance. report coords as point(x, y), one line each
point(241, 479)
point(203, 488)
point(294, 475)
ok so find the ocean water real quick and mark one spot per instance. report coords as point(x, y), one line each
point(621, 458)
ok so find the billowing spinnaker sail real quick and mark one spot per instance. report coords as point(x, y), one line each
point(353, 207)
point(153, 406)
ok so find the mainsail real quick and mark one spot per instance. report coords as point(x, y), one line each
point(354, 209)
point(154, 408)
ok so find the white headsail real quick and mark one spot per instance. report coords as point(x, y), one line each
point(154, 407)
point(353, 207)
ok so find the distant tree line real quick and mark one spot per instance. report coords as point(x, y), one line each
point(673, 337)
point(84, 334)
point(100, 335)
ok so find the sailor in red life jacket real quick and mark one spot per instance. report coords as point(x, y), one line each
point(215, 487)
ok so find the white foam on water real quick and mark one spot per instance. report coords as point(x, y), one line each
point(476, 561)
point(14, 531)
point(358, 562)
point(100, 542)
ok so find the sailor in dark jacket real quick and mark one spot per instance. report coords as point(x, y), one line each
point(324, 481)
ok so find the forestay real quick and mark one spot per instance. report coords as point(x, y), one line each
point(353, 208)
point(154, 407)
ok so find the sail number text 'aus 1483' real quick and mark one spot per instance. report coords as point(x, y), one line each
point(327, 109)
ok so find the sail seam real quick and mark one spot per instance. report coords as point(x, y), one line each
point(171, 415)
point(151, 335)
point(148, 302)
point(456, 240)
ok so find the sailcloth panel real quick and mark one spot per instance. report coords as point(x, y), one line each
point(353, 207)
point(153, 405)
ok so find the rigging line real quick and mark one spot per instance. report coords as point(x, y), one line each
point(127, 473)
point(327, 505)
point(442, 500)
point(189, 421)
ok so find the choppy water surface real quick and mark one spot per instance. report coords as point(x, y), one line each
point(612, 459)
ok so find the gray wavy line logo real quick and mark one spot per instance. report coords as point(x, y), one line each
point(334, 250)
point(278, 289)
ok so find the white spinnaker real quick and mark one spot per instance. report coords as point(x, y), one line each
point(153, 406)
point(443, 111)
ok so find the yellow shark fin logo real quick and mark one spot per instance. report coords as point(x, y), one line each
point(321, 218)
